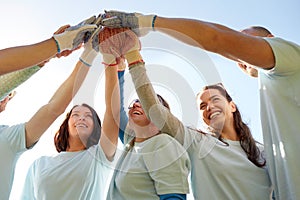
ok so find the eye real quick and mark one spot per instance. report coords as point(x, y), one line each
point(215, 99)
point(202, 106)
point(74, 115)
point(89, 116)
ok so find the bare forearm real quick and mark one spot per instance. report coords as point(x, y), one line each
point(111, 120)
point(68, 89)
point(46, 115)
point(218, 39)
point(20, 57)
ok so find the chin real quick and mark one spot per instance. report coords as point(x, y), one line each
point(217, 126)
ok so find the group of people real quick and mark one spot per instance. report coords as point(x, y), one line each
point(160, 152)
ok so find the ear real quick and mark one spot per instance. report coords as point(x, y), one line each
point(232, 106)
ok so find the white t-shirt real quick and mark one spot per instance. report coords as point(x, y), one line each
point(218, 171)
point(280, 117)
point(68, 175)
point(157, 166)
point(12, 144)
point(221, 171)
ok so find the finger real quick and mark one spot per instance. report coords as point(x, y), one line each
point(90, 20)
point(62, 29)
point(115, 52)
point(86, 27)
point(112, 22)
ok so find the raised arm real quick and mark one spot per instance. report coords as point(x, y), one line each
point(16, 58)
point(12, 80)
point(48, 113)
point(219, 39)
point(109, 49)
point(20, 57)
point(109, 136)
point(123, 114)
point(205, 35)
point(155, 111)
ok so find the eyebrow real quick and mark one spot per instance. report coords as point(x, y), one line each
point(211, 97)
point(76, 111)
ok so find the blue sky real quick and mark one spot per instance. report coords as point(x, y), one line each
point(30, 21)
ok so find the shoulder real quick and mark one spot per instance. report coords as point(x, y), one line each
point(13, 128)
point(163, 139)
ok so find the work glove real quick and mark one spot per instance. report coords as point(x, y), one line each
point(91, 48)
point(111, 42)
point(73, 36)
point(140, 24)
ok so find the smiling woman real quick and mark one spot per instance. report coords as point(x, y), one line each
point(23, 22)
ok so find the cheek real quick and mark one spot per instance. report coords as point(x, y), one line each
point(203, 115)
point(71, 122)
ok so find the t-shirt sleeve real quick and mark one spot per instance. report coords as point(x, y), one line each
point(100, 155)
point(287, 56)
point(15, 137)
point(168, 165)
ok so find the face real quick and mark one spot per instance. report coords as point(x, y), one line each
point(216, 111)
point(136, 114)
point(3, 104)
point(81, 123)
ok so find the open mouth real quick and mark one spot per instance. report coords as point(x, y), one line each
point(136, 112)
point(81, 126)
point(214, 115)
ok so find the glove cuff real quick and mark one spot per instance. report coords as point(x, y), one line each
point(87, 57)
point(146, 21)
point(60, 44)
point(109, 60)
point(133, 57)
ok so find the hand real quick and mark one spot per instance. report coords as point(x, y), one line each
point(73, 36)
point(91, 48)
point(131, 48)
point(140, 24)
point(64, 53)
point(111, 41)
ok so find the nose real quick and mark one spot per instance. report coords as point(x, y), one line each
point(81, 117)
point(136, 105)
point(209, 106)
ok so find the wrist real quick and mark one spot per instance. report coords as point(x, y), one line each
point(109, 60)
point(133, 56)
point(57, 45)
point(87, 57)
point(153, 21)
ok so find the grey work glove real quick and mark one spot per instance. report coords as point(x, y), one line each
point(139, 23)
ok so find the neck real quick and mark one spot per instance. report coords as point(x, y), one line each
point(75, 145)
point(145, 132)
point(230, 134)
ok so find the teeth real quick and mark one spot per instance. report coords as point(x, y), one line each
point(214, 115)
point(137, 113)
point(81, 125)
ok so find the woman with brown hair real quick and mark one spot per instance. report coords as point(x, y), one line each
point(85, 151)
point(226, 162)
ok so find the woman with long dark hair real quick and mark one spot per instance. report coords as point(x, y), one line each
point(226, 161)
